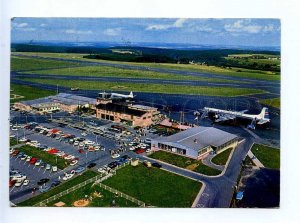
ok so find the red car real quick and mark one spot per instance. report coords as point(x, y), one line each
point(81, 151)
point(12, 183)
point(139, 151)
point(33, 160)
point(16, 152)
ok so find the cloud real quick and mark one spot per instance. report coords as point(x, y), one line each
point(23, 27)
point(177, 24)
point(79, 32)
point(112, 31)
point(43, 25)
point(245, 26)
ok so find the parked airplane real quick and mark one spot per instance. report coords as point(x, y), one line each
point(225, 115)
point(116, 95)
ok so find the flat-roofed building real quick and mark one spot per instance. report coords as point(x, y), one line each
point(196, 142)
point(133, 115)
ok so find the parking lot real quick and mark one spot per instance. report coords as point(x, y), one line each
point(110, 142)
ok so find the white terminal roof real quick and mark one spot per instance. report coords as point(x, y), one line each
point(197, 138)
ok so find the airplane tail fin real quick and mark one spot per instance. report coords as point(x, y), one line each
point(131, 94)
point(265, 113)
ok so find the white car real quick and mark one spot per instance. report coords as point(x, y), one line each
point(37, 163)
point(148, 150)
point(14, 128)
point(89, 142)
point(28, 158)
point(12, 136)
point(23, 139)
point(24, 157)
point(116, 155)
point(131, 148)
point(19, 183)
point(76, 143)
point(102, 170)
point(11, 151)
point(26, 182)
point(83, 134)
point(69, 157)
point(73, 162)
point(54, 168)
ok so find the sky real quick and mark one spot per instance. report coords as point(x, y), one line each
point(238, 32)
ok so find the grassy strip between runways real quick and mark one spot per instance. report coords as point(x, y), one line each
point(274, 102)
point(60, 188)
point(24, 63)
point(106, 71)
point(154, 186)
point(28, 92)
point(46, 157)
point(151, 88)
point(268, 156)
point(245, 73)
point(184, 162)
point(221, 158)
point(106, 198)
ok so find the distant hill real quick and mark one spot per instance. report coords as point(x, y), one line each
point(216, 57)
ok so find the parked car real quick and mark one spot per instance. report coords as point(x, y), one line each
point(19, 183)
point(12, 183)
point(79, 169)
point(48, 166)
point(139, 151)
point(43, 181)
point(45, 188)
point(157, 165)
point(91, 165)
point(147, 163)
point(55, 183)
point(115, 155)
point(33, 160)
point(54, 168)
point(26, 182)
point(73, 162)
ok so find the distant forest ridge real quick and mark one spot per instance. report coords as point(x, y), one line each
point(215, 57)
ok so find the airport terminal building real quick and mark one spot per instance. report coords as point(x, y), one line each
point(61, 101)
point(196, 142)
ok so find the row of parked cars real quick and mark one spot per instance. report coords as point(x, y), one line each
point(16, 178)
point(32, 160)
point(139, 148)
point(107, 168)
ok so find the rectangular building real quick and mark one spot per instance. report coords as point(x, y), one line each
point(133, 115)
point(196, 142)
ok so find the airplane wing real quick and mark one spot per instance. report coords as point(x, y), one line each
point(243, 111)
point(262, 121)
point(223, 118)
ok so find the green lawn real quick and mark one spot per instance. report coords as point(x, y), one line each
point(184, 162)
point(246, 73)
point(274, 102)
point(25, 63)
point(46, 157)
point(28, 92)
point(105, 201)
point(13, 141)
point(155, 187)
point(106, 71)
point(221, 158)
point(64, 186)
point(270, 157)
point(152, 88)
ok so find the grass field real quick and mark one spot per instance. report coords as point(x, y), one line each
point(155, 187)
point(151, 88)
point(105, 71)
point(13, 142)
point(64, 186)
point(274, 102)
point(46, 157)
point(28, 92)
point(184, 162)
point(24, 63)
point(270, 157)
point(245, 73)
point(221, 158)
point(105, 201)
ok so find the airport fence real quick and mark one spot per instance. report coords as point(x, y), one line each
point(55, 197)
point(95, 179)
